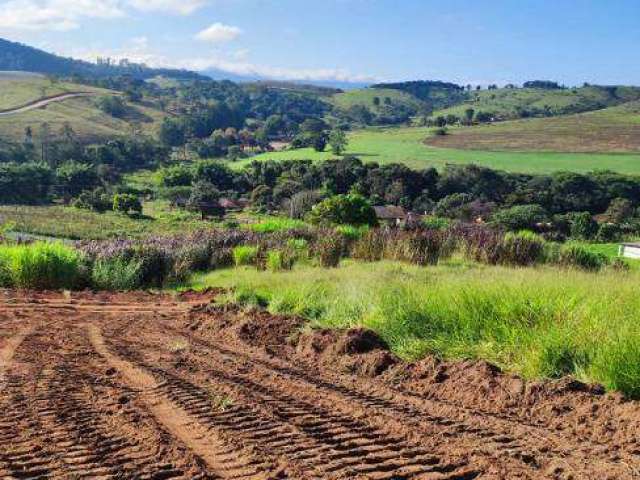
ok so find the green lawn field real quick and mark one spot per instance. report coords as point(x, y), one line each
point(406, 145)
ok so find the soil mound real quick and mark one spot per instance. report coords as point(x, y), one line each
point(358, 351)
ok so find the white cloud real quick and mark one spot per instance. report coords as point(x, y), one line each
point(57, 15)
point(277, 73)
point(65, 15)
point(181, 7)
point(219, 33)
point(139, 50)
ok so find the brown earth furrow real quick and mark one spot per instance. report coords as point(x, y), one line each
point(53, 429)
point(532, 446)
point(333, 445)
point(176, 415)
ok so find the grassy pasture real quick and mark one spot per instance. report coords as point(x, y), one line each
point(16, 91)
point(87, 121)
point(76, 224)
point(407, 145)
point(507, 103)
point(612, 130)
point(365, 97)
point(539, 322)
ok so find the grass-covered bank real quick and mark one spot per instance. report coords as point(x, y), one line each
point(539, 322)
point(41, 265)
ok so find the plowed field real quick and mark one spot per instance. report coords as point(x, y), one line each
point(143, 386)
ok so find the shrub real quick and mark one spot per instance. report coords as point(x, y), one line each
point(523, 248)
point(421, 247)
point(126, 203)
point(574, 255)
point(40, 266)
point(221, 258)
point(583, 226)
point(191, 258)
point(245, 255)
point(117, 274)
point(352, 232)
point(329, 248)
point(112, 105)
point(351, 209)
point(452, 206)
point(436, 223)
point(205, 198)
point(609, 232)
point(370, 248)
point(280, 260)
point(176, 176)
point(97, 200)
point(520, 217)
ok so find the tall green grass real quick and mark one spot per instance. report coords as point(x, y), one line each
point(40, 266)
point(276, 224)
point(117, 274)
point(539, 322)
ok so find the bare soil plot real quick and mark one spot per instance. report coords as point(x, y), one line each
point(145, 386)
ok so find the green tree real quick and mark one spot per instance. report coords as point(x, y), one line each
point(338, 141)
point(112, 105)
point(319, 142)
point(75, 177)
point(127, 203)
point(350, 209)
point(173, 132)
point(520, 217)
point(468, 115)
point(176, 176)
point(205, 198)
point(620, 210)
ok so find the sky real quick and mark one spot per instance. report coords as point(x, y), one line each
point(476, 42)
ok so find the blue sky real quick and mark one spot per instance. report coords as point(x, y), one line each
point(477, 42)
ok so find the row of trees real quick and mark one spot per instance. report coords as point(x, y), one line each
point(463, 192)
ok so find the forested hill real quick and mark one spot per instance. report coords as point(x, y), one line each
point(18, 57)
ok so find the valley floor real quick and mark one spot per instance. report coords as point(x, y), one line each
point(407, 145)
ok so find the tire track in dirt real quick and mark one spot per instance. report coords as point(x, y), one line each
point(311, 441)
point(7, 352)
point(517, 444)
point(60, 419)
point(107, 390)
point(178, 420)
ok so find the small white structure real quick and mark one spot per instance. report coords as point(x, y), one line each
point(629, 250)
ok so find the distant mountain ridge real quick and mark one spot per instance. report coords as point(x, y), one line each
point(16, 56)
point(19, 57)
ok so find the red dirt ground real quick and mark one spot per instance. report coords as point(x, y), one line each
point(158, 387)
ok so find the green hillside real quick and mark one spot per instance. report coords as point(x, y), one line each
point(17, 90)
point(366, 97)
point(85, 118)
point(612, 130)
point(514, 103)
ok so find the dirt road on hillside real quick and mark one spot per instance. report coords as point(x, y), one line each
point(143, 386)
point(44, 102)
